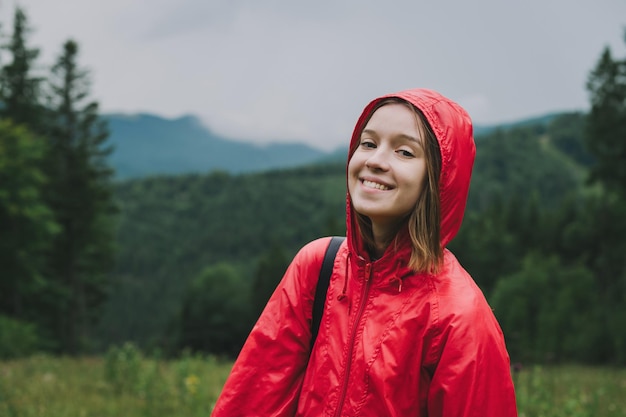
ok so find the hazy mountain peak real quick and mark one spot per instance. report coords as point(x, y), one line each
point(149, 144)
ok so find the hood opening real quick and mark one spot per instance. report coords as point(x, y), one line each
point(452, 127)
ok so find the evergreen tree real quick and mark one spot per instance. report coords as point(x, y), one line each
point(606, 138)
point(80, 195)
point(567, 135)
point(26, 223)
point(20, 90)
point(270, 271)
point(606, 125)
point(215, 316)
point(550, 312)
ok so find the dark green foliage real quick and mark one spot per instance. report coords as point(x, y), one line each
point(606, 126)
point(57, 239)
point(26, 222)
point(520, 175)
point(18, 338)
point(550, 312)
point(566, 132)
point(270, 270)
point(171, 228)
point(122, 369)
point(520, 162)
point(79, 194)
point(216, 312)
point(486, 247)
point(601, 231)
point(20, 90)
point(606, 227)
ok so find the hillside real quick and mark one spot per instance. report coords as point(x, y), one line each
point(146, 144)
point(172, 227)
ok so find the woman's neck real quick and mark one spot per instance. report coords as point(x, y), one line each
point(383, 234)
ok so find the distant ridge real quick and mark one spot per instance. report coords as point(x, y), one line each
point(544, 120)
point(147, 145)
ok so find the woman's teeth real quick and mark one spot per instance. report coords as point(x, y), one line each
point(371, 184)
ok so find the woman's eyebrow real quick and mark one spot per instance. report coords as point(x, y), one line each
point(409, 138)
point(401, 136)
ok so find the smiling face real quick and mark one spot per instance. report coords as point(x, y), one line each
point(386, 172)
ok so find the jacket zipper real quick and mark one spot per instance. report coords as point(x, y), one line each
point(357, 319)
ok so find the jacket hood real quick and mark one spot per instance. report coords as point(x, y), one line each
point(453, 128)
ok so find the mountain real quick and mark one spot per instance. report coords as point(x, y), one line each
point(146, 144)
point(543, 120)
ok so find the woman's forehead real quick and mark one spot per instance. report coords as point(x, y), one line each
point(394, 119)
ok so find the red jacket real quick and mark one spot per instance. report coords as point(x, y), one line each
point(391, 342)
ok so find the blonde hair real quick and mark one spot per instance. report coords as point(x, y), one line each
point(424, 222)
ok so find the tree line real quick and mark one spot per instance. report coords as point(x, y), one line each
point(56, 205)
point(201, 254)
point(188, 261)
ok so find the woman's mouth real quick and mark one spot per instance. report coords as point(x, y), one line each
point(375, 185)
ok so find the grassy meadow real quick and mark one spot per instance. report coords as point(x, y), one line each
point(125, 383)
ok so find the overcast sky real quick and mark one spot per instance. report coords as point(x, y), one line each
point(277, 70)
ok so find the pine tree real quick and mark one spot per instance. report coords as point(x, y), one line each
point(606, 138)
point(80, 194)
point(20, 90)
point(215, 315)
point(606, 125)
point(26, 222)
point(270, 270)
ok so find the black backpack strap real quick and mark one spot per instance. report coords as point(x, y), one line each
point(322, 284)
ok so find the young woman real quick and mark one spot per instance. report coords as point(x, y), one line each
point(405, 330)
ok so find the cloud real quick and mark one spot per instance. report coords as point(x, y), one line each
point(284, 70)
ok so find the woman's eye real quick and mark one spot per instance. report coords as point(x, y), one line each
point(368, 144)
point(406, 153)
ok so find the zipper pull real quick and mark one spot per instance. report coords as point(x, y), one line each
point(398, 281)
point(368, 271)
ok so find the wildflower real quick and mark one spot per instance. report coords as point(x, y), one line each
point(191, 383)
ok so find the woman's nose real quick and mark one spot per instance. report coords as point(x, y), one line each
point(378, 160)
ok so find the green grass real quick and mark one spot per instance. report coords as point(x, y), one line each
point(571, 391)
point(45, 386)
point(125, 383)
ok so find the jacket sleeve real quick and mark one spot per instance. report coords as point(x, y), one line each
point(472, 377)
point(267, 376)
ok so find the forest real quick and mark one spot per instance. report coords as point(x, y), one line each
point(183, 263)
